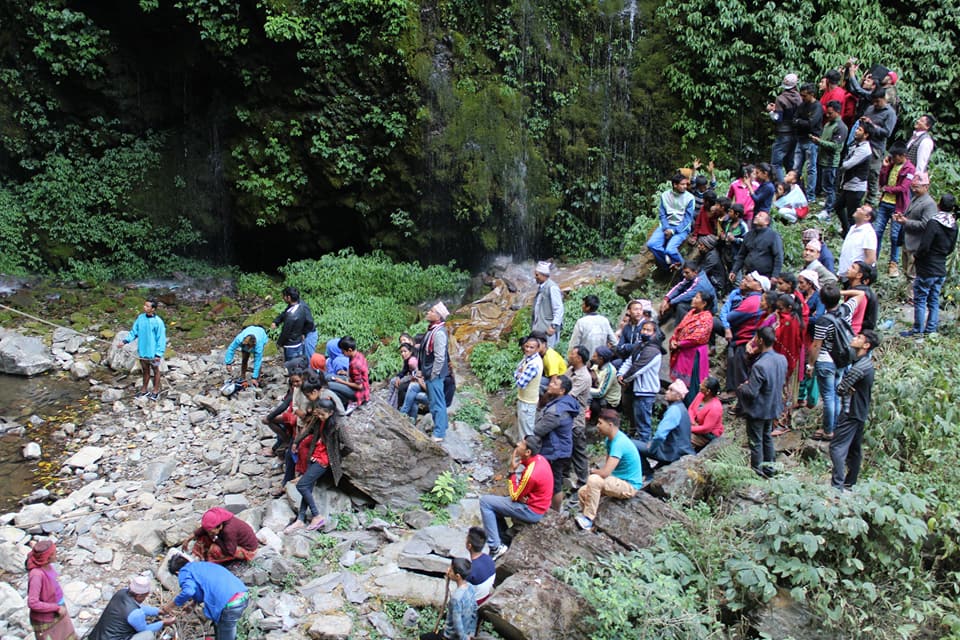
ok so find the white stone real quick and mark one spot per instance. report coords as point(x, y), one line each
point(31, 451)
point(85, 457)
point(12, 557)
point(81, 369)
point(13, 608)
point(269, 539)
point(330, 627)
point(81, 594)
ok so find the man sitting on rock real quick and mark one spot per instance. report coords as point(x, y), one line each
point(530, 494)
point(482, 570)
point(125, 617)
point(621, 475)
point(671, 441)
point(223, 538)
point(353, 389)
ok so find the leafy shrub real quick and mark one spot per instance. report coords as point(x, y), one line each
point(257, 285)
point(448, 489)
point(472, 410)
point(494, 365)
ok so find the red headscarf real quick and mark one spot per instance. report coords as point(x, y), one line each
point(214, 517)
point(41, 554)
point(318, 361)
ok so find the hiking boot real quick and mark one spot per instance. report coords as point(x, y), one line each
point(893, 270)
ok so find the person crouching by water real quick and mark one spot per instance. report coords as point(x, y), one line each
point(48, 613)
point(125, 617)
point(318, 449)
point(223, 596)
point(223, 538)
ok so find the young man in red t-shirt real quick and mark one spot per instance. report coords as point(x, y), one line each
point(530, 494)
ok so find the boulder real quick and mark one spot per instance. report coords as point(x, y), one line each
point(634, 523)
point(784, 617)
point(685, 479)
point(81, 369)
point(636, 273)
point(412, 588)
point(159, 471)
point(533, 605)
point(389, 460)
point(121, 357)
point(12, 557)
point(332, 627)
point(23, 356)
point(556, 541)
point(13, 608)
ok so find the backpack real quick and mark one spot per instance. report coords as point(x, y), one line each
point(841, 352)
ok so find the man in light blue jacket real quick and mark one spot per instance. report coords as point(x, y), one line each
point(151, 336)
point(251, 340)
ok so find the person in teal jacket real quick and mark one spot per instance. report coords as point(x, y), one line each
point(251, 340)
point(151, 335)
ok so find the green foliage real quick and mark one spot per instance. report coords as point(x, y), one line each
point(369, 297)
point(494, 366)
point(472, 409)
point(256, 285)
point(448, 489)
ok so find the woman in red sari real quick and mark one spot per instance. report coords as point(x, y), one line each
point(789, 344)
point(689, 353)
point(48, 611)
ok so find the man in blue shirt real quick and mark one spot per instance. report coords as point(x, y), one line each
point(671, 441)
point(621, 475)
point(251, 340)
point(222, 594)
point(125, 617)
point(151, 335)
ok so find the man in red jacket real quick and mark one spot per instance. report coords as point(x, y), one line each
point(530, 494)
point(896, 176)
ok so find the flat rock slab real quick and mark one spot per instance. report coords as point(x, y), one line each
point(533, 605)
point(556, 541)
point(85, 457)
point(327, 627)
point(412, 588)
point(634, 523)
point(24, 356)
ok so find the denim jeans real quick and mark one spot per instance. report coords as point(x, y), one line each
point(493, 510)
point(226, 627)
point(807, 152)
point(643, 417)
point(885, 215)
point(781, 155)
point(438, 406)
point(827, 379)
point(671, 250)
point(346, 393)
point(414, 395)
point(926, 304)
point(305, 486)
point(828, 180)
point(295, 351)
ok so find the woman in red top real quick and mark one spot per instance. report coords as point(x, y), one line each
point(706, 414)
point(223, 538)
point(789, 344)
point(741, 189)
point(48, 613)
point(689, 353)
point(317, 449)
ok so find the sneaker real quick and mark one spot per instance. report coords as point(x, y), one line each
point(153, 396)
point(142, 394)
point(909, 333)
point(893, 270)
point(584, 522)
point(823, 216)
point(498, 552)
point(437, 439)
point(350, 408)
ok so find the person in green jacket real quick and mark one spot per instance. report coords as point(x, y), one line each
point(151, 335)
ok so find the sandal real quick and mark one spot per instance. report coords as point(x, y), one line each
point(827, 437)
point(316, 524)
point(818, 434)
point(780, 430)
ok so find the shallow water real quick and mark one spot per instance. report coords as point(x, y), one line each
point(44, 396)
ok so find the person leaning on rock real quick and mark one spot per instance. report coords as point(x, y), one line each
point(125, 616)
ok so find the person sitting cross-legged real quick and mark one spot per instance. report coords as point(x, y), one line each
point(530, 494)
point(621, 475)
point(671, 441)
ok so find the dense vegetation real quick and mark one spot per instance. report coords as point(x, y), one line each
point(138, 134)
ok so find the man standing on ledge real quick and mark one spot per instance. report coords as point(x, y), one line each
point(434, 361)
point(151, 335)
point(547, 315)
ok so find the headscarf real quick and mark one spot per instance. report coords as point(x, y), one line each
point(318, 362)
point(812, 277)
point(335, 358)
point(41, 554)
point(214, 517)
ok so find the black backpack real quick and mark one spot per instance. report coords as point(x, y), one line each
point(841, 352)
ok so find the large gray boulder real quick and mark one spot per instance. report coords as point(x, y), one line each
point(556, 541)
point(23, 356)
point(389, 459)
point(533, 605)
point(122, 357)
point(634, 523)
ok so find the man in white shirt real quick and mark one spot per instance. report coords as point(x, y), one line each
point(921, 143)
point(860, 243)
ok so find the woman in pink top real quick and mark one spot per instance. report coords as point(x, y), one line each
point(740, 191)
point(48, 613)
point(706, 414)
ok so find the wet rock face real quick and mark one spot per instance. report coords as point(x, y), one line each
point(23, 356)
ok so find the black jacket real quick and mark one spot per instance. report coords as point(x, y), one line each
point(938, 241)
